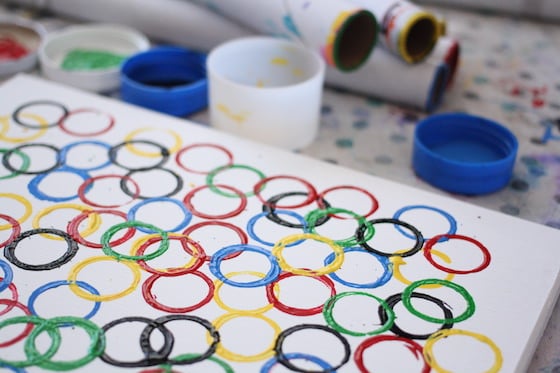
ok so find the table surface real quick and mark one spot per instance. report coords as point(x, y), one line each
point(509, 72)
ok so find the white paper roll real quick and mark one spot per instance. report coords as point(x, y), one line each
point(407, 30)
point(341, 31)
point(174, 21)
point(448, 51)
point(387, 77)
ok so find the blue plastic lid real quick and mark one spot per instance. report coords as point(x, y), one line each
point(168, 79)
point(464, 154)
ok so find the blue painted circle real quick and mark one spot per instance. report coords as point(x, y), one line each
point(266, 368)
point(66, 149)
point(8, 275)
point(33, 185)
point(452, 222)
point(251, 225)
point(384, 278)
point(221, 254)
point(187, 215)
point(51, 285)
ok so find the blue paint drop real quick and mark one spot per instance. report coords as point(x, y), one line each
point(375, 102)
point(519, 185)
point(383, 159)
point(554, 224)
point(509, 106)
point(526, 75)
point(471, 95)
point(479, 79)
point(398, 138)
point(326, 109)
point(491, 63)
point(290, 25)
point(360, 112)
point(410, 117)
point(360, 124)
point(345, 143)
point(510, 210)
point(534, 167)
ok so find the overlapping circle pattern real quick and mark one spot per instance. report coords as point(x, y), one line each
point(210, 267)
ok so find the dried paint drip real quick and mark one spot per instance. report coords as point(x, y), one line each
point(83, 59)
point(11, 49)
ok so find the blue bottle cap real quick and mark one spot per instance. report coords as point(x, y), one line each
point(167, 79)
point(464, 154)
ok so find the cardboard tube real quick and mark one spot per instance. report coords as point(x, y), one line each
point(387, 77)
point(341, 31)
point(407, 30)
point(448, 51)
point(173, 21)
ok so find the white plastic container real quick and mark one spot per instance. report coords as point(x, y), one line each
point(120, 40)
point(266, 89)
point(29, 35)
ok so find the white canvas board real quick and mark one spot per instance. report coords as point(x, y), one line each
point(513, 295)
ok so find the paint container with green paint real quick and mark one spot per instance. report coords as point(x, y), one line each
point(89, 56)
point(89, 59)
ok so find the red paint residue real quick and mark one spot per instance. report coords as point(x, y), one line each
point(11, 49)
point(537, 95)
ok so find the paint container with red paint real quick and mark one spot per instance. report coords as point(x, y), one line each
point(19, 41)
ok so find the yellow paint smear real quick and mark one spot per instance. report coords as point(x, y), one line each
point(279, 61)
point(297, 72)
point(238, 118)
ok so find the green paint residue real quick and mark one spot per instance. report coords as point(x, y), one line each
point(344, 143)
point(371, 101)
point(85, 59)
point(509, 106)
point(360, 124)
point(479, 79)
